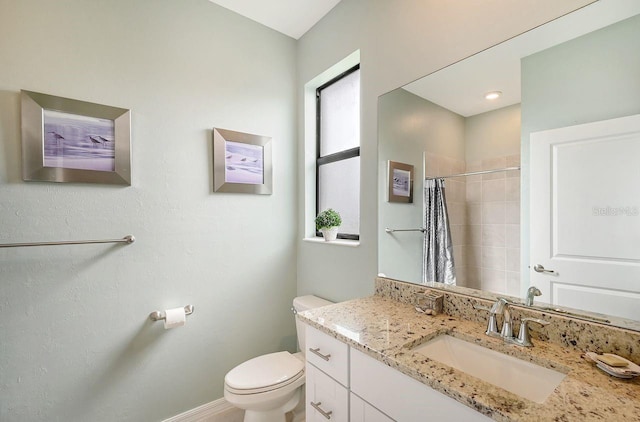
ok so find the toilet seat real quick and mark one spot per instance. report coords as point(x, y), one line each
point(264, 373)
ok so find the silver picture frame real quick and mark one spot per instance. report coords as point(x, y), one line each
point(399, 182)
point(241, 162)
point(94, 146)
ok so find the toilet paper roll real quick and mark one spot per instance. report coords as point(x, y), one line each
point(175, 317)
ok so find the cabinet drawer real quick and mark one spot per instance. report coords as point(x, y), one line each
point(325, 398)
point(328, 354)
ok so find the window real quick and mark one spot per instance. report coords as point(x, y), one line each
point(338, 150)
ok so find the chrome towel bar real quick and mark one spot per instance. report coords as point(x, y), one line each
point(159, 315)
point(388, 230)
point(127, 240)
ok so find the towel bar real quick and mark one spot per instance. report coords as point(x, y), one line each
point(388, 230)
point(127, 239)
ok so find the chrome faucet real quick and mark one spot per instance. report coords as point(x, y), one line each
point(524, 339)
point(503, 306)
point(531, 292)
point(492, 325)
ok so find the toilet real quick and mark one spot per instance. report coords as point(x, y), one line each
point(269, 386)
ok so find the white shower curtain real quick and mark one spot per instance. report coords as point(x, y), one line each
point(437, 264)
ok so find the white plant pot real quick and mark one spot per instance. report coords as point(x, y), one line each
point(330, 234)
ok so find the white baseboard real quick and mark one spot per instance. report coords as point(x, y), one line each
point(216, 411)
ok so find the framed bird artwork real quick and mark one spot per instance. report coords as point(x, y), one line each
point(241, 162)
point(399, 182)
point(66, 140)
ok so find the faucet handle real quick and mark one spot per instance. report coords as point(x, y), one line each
point(536, 320)
point(505, 301)
point(492, 325)
point(481, 307)
point(524, 338)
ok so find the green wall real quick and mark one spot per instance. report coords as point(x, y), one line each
point(75, 341)
point(408, 126)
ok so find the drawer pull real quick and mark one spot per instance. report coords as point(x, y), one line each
point(319, 409)
point(317, 353)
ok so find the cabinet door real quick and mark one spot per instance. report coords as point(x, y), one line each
point(361, 411)
point(404, 398)
point(326, 398)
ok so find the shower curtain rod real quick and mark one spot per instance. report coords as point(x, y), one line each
point(473, 173)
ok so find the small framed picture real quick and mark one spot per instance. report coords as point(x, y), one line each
point(400, 182)
point(65, 140)
point(241, 162)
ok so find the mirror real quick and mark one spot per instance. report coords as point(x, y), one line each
point(577, 69)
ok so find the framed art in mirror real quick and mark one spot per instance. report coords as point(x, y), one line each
point(66, 140)
point(241, 162)
point(400, 182)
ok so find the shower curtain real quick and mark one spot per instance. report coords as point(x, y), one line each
point(437, 264)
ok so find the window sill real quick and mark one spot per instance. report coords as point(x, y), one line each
point(339, 242)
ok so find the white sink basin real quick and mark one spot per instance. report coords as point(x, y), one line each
point(525, 379)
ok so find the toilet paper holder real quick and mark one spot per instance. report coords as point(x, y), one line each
point(159, 315)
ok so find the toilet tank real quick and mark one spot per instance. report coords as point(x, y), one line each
point(303, 303)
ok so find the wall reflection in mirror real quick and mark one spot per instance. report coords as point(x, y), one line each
point(576, 70)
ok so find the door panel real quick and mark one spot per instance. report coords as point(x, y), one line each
point(585, 216)
point(326, 399)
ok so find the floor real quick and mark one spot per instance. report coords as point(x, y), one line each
point(237, 415)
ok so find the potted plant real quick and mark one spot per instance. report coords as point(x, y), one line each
point(327, 222)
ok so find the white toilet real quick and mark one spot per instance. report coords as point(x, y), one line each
point(271, 385)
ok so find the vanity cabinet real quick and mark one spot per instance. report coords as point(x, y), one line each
point(361, 411)
point(327, 378)
point(326, 398)
point(356, 387)
point(328, 354)
point(402, 397)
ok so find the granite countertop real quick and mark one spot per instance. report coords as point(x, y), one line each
point(387, 330)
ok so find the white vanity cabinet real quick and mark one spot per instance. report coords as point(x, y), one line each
point(361, 411)
point(358, 388)
point(401, 397)
point(326, 398)
point(327, 378)
point(328, 354)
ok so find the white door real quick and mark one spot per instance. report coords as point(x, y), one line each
point(585, 216)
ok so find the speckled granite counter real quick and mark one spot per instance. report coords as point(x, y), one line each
point(387, 329)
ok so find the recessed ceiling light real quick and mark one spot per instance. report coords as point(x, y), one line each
point(493, 95)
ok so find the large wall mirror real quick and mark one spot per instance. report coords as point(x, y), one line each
point(552, 162)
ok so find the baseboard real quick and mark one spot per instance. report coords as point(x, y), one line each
point(216, 411)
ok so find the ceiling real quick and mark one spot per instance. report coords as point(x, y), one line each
point(290, 17)
point(461, 87)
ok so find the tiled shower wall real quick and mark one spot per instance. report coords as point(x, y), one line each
point(492, 241)
point(484, 214)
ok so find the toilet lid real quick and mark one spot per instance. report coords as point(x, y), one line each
point(264, 371)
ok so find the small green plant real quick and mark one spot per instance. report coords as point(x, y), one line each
point(327, 219)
